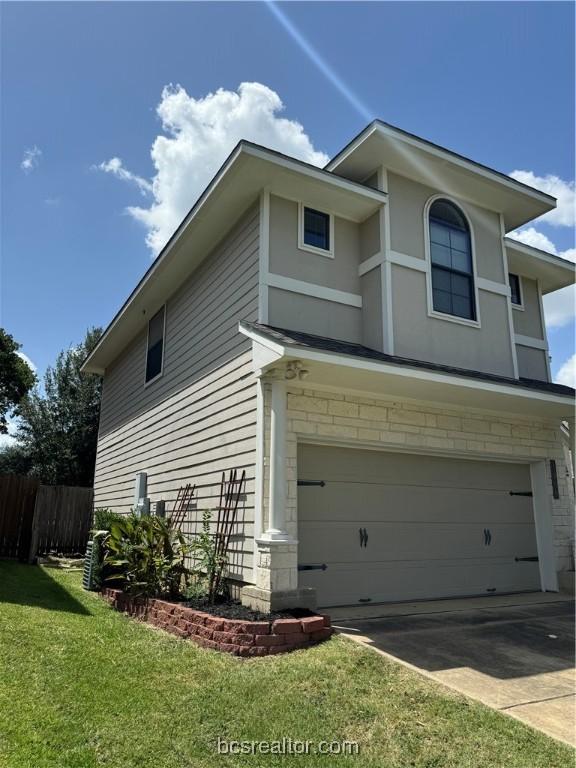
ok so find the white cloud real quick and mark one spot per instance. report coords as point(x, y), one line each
point(30, 159)
point(564, 215)
point(115, 167)
point(567, 373)
point(27, 360)
point(559, 307)
point(52, 202)
point(531, 236)
point(198, 135)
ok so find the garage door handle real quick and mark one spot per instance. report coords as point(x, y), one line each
point(526, 559)
point(313, 567)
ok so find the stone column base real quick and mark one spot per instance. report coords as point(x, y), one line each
point(266, 600)
point(566, 582)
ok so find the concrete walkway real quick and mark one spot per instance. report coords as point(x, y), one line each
point(515, 653)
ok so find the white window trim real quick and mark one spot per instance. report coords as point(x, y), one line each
point(431, 311)
point(302, 246)
point(158, 375)
point(520, 307)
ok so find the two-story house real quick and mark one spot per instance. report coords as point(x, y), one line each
point(369, 345)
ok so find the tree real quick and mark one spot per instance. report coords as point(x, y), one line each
point(58, 429)
point(14, 460)
point(16, 378)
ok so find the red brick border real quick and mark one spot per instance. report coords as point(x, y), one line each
point(236, 636)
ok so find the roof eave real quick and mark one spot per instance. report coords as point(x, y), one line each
point(537, 202)
point(361, 197)
point(334, 370)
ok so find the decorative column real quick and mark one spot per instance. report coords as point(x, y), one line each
point(276, 552)
point(277, 490)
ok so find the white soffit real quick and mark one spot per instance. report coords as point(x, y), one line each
point(551, 271)
point(342, 372)
point(440, 169)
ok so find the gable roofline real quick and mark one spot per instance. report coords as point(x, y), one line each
point(378, 125)
point(244, 150)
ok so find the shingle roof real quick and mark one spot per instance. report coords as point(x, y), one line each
point(289, 338)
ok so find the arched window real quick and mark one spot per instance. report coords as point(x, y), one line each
point(451, 256)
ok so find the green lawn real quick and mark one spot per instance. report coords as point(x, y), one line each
point(81, 685)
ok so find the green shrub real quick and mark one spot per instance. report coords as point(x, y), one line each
point(197, 589)
point(146, 555)
point(209, 564)
point(103, 519)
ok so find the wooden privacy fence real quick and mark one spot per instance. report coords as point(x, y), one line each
point(38, 519)
point(17, 500)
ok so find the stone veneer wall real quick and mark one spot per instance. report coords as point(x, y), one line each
point(235, 636)
point(327, 417)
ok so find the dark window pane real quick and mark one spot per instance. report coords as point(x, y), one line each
point(439, 234)
point(155, 345)
point(441, 279)
point(514, 282)
point(462, 307)
point(442, 301)
point(459, 240)
point(440, 254)
point(154, 360)
point(446, 212)
point(461, 286)
point(461, 261)
point(316, 229)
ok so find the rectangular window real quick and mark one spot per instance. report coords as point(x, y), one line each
point(155, 346)
point(515, 292)
point(316, 229)
point(452, 272)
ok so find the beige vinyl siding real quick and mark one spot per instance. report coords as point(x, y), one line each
point(529, 321)
point(199, 418)
point(532, 363)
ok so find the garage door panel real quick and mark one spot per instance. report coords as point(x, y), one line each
point(342, 542)
point(392, 582)
point(377, 501)
point(330, 463)
point(436, 527)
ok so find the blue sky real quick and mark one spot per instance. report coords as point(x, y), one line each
point(81, 83)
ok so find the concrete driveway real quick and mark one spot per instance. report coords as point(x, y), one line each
point(515, 654)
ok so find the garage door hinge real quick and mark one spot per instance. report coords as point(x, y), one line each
point(520, 493)
point(313, 567)
point(526, 559)
point(321, 483)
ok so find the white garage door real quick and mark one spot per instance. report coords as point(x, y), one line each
point(391, 526)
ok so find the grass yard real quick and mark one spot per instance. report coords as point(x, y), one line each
point(81, 685)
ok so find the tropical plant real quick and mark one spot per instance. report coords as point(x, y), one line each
point(208, 561)
point(146, 555)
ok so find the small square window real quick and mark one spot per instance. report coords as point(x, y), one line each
point(515, 292)
point(316, 229)
point(155, 346)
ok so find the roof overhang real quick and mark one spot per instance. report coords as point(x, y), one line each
point(369, 377)
point(552, 272)
point(248, 170)
point(440, 168)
